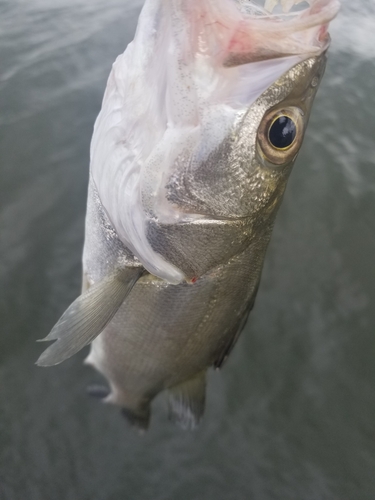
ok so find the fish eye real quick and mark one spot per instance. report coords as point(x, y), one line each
point(282, 132)
point(280, 135)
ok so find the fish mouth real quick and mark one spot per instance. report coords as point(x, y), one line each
point(255, 30)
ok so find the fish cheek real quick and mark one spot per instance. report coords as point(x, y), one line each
point(215, 187)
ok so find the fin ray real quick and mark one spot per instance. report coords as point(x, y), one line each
point(89, 314)
point(187, 400)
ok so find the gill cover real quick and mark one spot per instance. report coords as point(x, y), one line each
point(177, 93)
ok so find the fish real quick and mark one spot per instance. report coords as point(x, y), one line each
point(202, 120)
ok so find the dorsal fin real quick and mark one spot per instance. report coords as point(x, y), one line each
point(236, 332)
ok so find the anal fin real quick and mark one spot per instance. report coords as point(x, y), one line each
point(87, 317)
point(187, 400)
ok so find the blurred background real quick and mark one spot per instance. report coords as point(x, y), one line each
point(292, 414)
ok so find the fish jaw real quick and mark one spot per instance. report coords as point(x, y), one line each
point(191, 63)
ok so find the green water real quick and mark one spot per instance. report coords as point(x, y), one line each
point(292, 414)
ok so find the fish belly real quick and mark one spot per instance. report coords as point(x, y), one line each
point(165, 334)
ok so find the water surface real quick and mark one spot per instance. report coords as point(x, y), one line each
point(292, 415)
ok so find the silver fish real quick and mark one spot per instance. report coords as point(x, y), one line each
point(201, 123)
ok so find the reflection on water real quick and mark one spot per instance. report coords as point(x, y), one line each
point(291, 416)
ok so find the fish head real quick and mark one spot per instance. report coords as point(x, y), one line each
point(244, 175)
point(202, 121)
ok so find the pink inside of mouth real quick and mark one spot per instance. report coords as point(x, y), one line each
point(221, 29)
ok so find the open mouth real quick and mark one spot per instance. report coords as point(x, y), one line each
point(241, 31)
point(270, 29)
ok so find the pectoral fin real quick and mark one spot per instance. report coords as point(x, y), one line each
point(186, 401)
point(87, 317)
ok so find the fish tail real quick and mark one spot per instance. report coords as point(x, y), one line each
point(138, 418)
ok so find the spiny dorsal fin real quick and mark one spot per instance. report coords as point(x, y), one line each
point(87, 317)
point(186, 401)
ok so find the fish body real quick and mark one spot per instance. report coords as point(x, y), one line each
point(166, 334)
point(201, 123)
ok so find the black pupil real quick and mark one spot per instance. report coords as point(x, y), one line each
point(282, 132)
